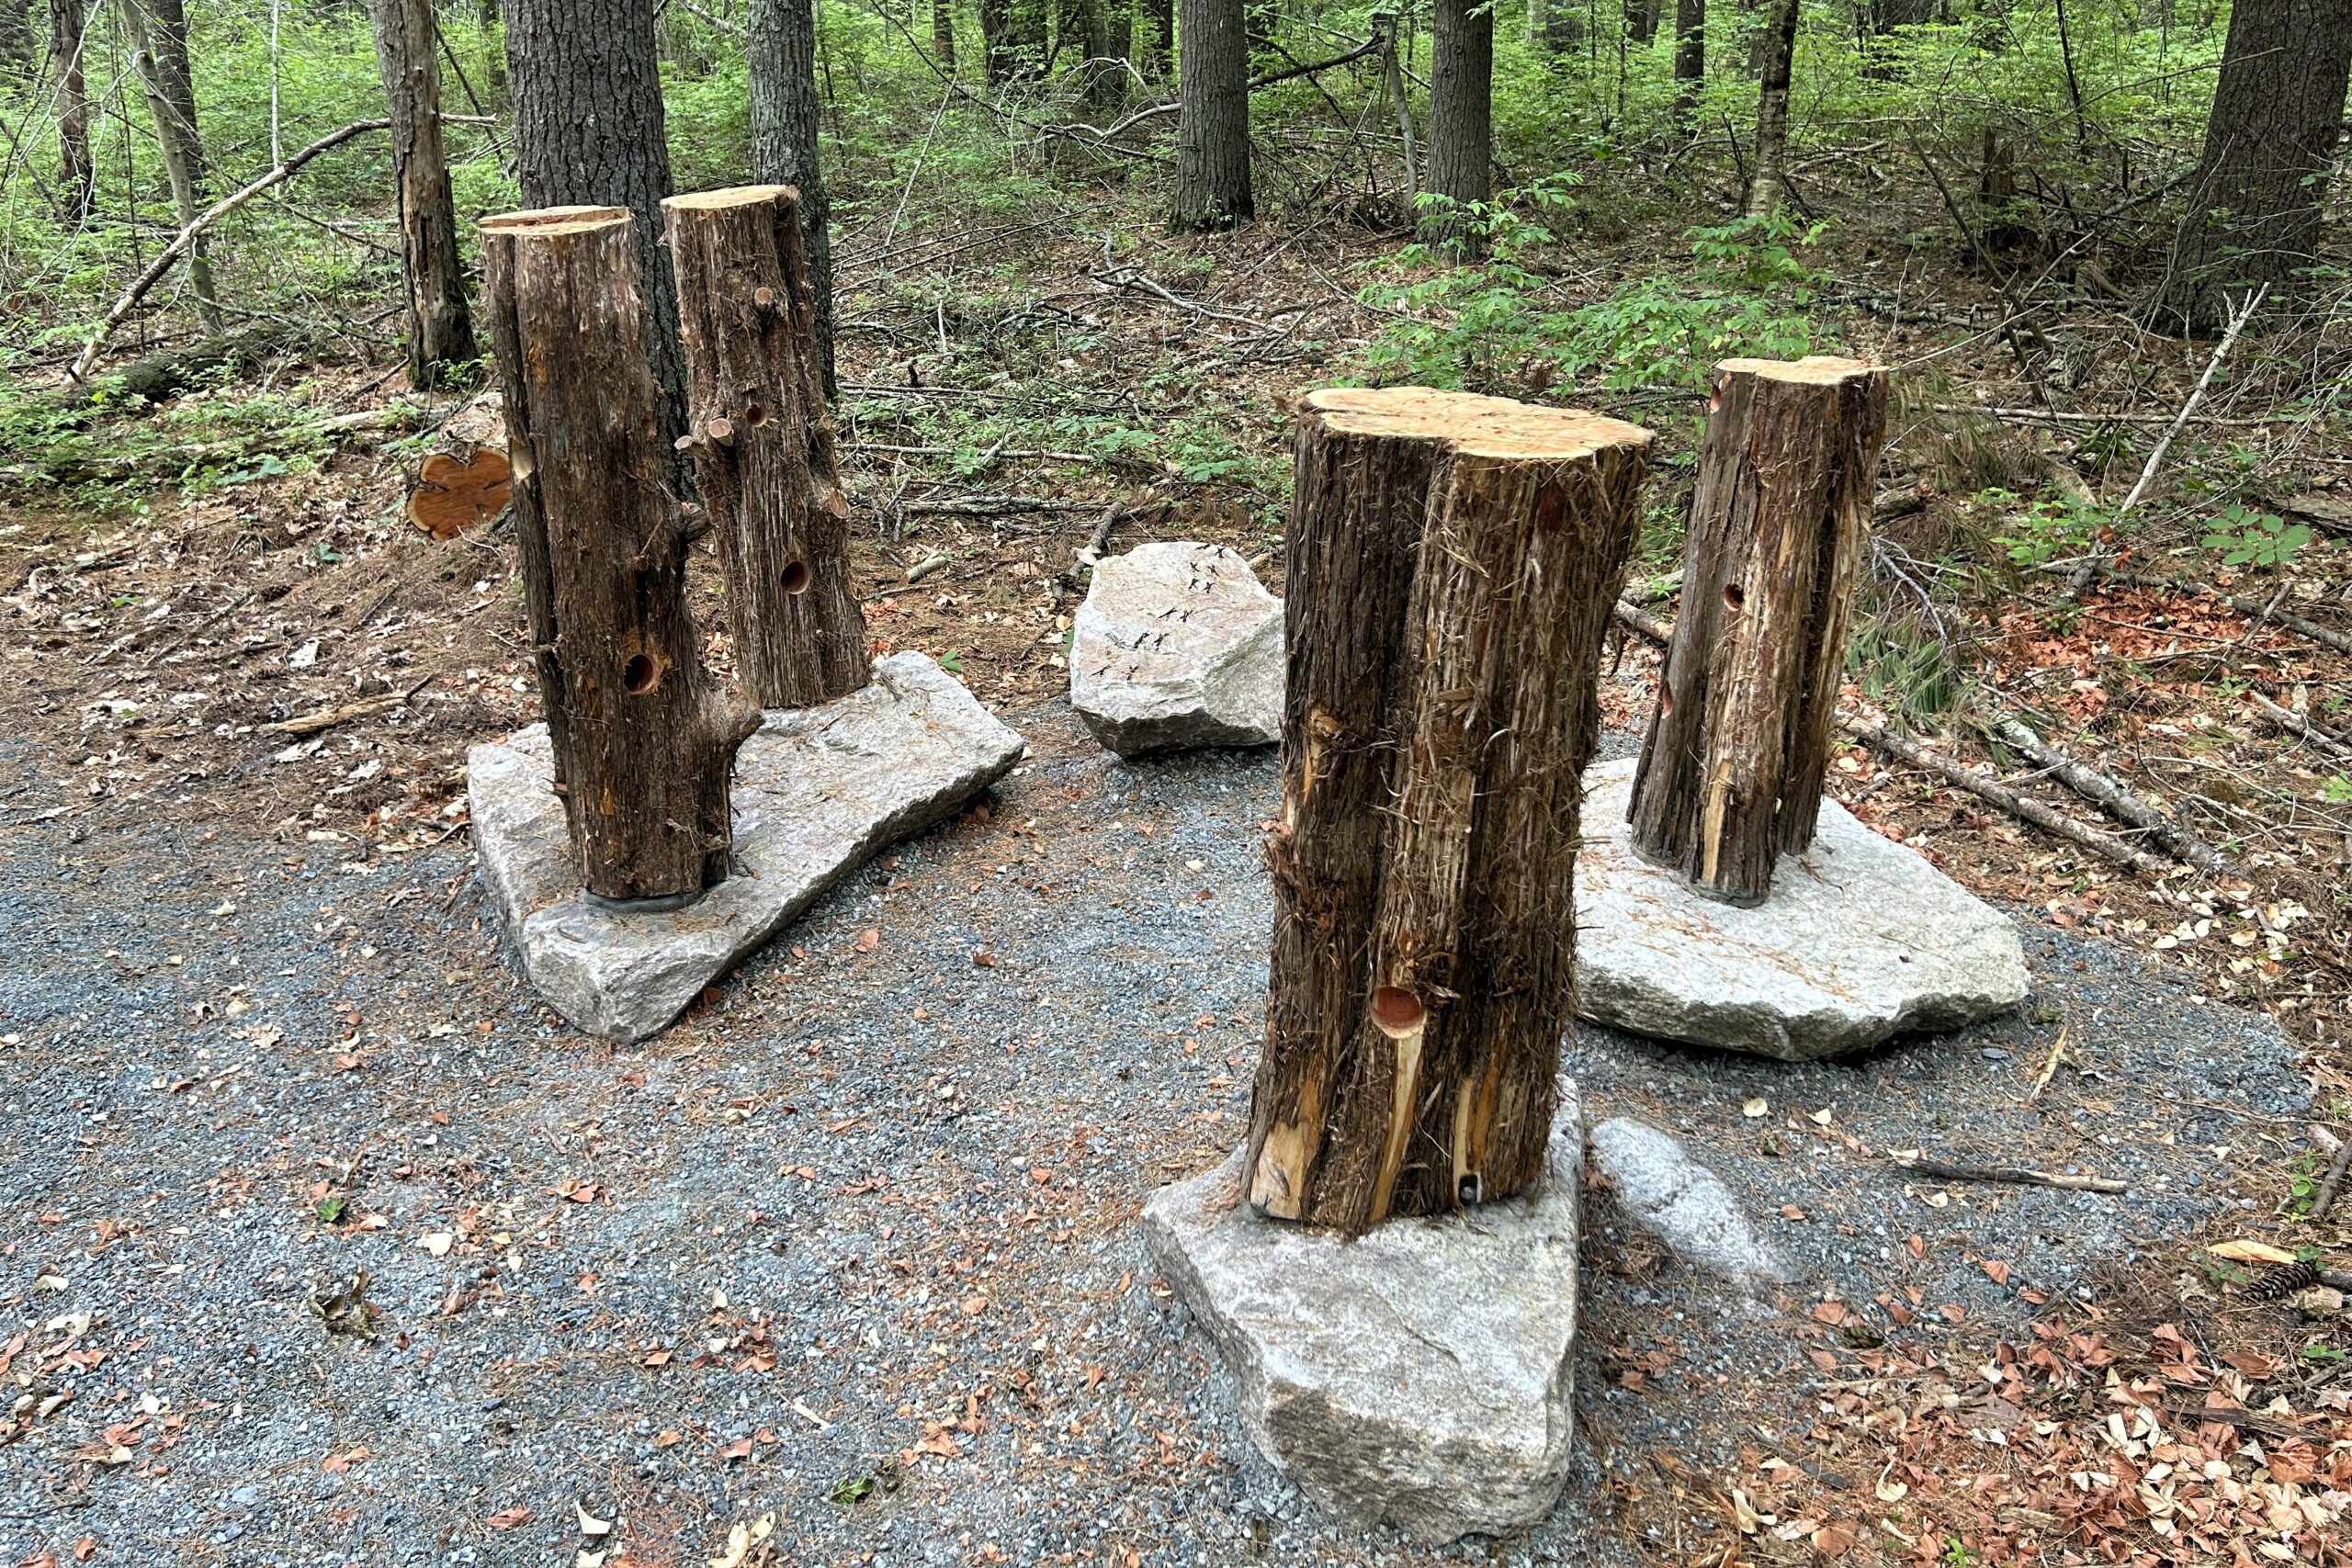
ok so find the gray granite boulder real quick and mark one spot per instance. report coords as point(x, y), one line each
point(1860, 940)
point(815, 792)
point(1422, 1375)
point(1682, 1203)
point(1178, 645)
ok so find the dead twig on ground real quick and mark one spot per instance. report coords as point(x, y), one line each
point(2108, 793)
point(2009, 1175)
point(2260, 609)
point(2324, 1199)
point(2296, 724)
point(2238, 319)
point(342, 712)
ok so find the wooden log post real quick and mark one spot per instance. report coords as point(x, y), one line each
point(644, 735)
point(1452, 563)
point(1731, 773)
point(763, 442)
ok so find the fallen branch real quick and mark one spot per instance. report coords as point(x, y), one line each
point(2120, 802)
point(342, 712)
point(1633, 618)
point(2010, 1175)
point(997, 505)
point(1986, 787)
point(2324, 1199)
point(2089, 568)
point(152, 273)
point(2296, 724)
point(2058, 416)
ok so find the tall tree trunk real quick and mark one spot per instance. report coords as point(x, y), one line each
point(1462, 105)
point(1643, 20)
point(1690, 58)
point(1453, 563)
point(157, 32)
point(780, 44)
point(643, 735)
point(1213, 121)
point(588, 132)
point(486, 18)
point(1539, 24)
point(1156, 42)
point(16, 35)
point(1000, 60)
point(942, 34)
point(407, 51)
point(1731, 772)
point(2254, 211)
point(763, 444)
point(1771, 180)
point(76, 172)
point(1106, 24)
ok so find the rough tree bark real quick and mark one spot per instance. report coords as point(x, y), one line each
point(763, 442)
point(1213, 117)
point(407, 52)
point(1689, 58)
point(1778, 41)
point(1453, 563)
point(589, 130)
point(997, 65)
point(486, 18)
point(156, 34)
point(780, 45)
point(77, 174)
point(1642, 20)
point(942, 34)
point(644, 735)
point(1731, 772)
point(1461, 107)
point(2255, 206)
point(1105, 27)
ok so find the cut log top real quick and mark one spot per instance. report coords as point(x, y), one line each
point(1815, 370)
point(551, 220)
point(1481, 426)
point(732, 196)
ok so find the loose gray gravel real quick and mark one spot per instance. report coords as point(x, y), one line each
point(873, 1211)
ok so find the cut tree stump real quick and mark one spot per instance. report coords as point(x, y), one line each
point(763, 442)
point(643, 735)
point(456, 490)
point(1731, 772)
point(1452, 563)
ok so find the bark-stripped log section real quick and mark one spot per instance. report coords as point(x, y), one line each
point(644, 735)
point(763, 442)
point(1730, 776)
point(1452, 563)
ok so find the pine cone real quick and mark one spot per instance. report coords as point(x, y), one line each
point(2282, 1279)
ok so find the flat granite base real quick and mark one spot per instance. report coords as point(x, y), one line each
point(1422, 1375)
point(815, 792)
point(1859, 940)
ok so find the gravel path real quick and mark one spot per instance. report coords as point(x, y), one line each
point(855, 1242)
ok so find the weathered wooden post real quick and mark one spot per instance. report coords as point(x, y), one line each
point(1731, 773)
point(763, 442)
point(1452, 564)
point(643, 735)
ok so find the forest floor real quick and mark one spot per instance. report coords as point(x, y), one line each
point(260, 1036)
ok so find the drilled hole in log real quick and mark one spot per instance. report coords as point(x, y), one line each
point(756, 415)
point(1396, 1011)
point(1469, 1189)
point(640, 674)
point(1735, 595)
point(796, 577)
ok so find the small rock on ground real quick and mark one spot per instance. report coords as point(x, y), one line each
point(1682, 1203)
point(1178, 645)
point(1420, 1375)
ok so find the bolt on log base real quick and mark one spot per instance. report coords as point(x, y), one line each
point(1451, 565)
point(763, 442)
point(643, 735)
point(1731, 773)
